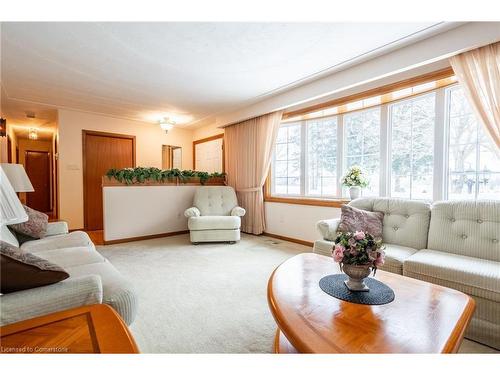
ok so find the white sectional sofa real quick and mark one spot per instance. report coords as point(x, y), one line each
point(454, 243)
point(93, 279)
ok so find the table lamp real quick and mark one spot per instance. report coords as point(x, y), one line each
point(11, 209)
point(17, 176)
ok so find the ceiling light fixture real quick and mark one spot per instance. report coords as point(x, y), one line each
point(33, 134)
point(166, 124)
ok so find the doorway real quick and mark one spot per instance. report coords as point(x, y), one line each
point(39, 171)
point(101, 152)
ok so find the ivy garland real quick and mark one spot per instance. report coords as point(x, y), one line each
point(142, 174)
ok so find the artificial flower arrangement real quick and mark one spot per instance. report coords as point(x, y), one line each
point(355, 177)
point(358, 249)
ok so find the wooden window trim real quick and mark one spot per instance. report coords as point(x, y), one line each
point(384, 91)
point(378, 91)
point(208, 139)
point(304, 201)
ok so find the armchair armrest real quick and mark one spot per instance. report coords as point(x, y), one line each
point(238, 211)
point(57, 227)
point(67, 294)
point(328, 228)
point(192, 212)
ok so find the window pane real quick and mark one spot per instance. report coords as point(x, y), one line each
point(362, 145)
point(489, 185)
point(461, 186)
point(286, 160)
point(321, 165)
point(471, 152)
point(412, 154)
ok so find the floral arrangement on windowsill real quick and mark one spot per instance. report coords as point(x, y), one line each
point(358, 254)
point(355, 180)
point(141, 175)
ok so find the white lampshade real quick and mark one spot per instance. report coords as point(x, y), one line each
point(11, 209)
point(17, 176)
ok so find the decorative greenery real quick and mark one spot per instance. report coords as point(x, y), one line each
point(358, 248)
point(355, 177)
point(142, 174)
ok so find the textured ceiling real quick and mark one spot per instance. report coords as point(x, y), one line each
point(188, 71)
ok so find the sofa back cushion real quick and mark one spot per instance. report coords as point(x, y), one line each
point(215, 200)
point(406, 222)
point(470, 228)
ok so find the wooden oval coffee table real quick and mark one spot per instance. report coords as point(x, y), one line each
point(423, 318)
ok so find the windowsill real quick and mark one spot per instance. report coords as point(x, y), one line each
point(323, 202)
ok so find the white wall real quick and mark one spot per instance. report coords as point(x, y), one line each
point(149, 210)
point(297, 221)
point(149, 139)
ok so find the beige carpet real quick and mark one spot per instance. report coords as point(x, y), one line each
point(209, 298)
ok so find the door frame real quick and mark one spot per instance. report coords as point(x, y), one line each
point(208, 139)
point(84, 160)
point(51, 172)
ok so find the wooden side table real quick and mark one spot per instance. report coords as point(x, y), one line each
point(87, 329)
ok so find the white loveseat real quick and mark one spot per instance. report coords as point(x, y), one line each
point(454, 243)
point(215, 215)
point(93, 279)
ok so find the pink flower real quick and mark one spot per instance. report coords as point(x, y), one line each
point(380, 259)
point(353, 251)
point(359, 235)
point(338, 253)
point(352, 242)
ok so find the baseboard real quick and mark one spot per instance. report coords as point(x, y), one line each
point(149, 237)
point(289, 239)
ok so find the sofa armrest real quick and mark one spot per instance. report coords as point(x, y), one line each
point(238, 211)
point(328, 228)
point(67, 294)
point(192, 212)
point(56, 228)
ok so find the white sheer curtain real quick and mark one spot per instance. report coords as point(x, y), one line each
point(478, 72)
point(248, 149)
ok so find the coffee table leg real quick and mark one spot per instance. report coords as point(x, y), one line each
point(282, 345)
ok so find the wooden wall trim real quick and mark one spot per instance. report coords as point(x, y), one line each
point(148, 237)
point(289, 239)
point(414, 81)
point(208, 139)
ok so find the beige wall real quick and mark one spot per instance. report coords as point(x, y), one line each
point(149, 139)
point(206, 131)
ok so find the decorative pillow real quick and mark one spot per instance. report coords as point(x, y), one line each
point(35, 227)
point(353, 219)
point(20, 270)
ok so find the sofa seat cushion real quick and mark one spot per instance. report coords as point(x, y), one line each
point(214, 222)
point(474, 276)
point(394, 255)
point(116, 290)
point(73, 239)
point(72, 256)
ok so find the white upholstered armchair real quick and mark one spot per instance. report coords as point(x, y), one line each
point(215, 215)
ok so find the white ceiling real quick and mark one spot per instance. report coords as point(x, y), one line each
point(188, 71)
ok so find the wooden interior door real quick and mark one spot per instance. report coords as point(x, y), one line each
point(101, 152)
point(38, 169)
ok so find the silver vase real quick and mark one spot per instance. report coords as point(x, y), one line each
point(357, 275)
